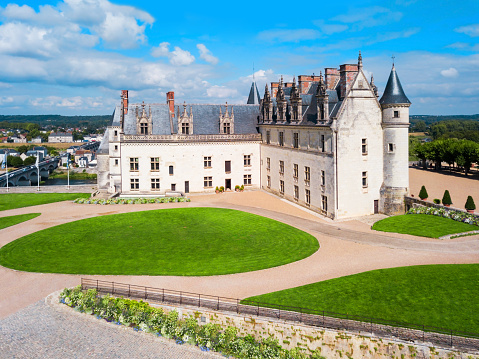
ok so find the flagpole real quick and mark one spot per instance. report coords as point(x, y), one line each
point(6, 167)
point(68, 171)
point(38, 171)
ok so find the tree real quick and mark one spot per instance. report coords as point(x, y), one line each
point(467, 154)
point(22, 149)
point(30, 161)
point(423, 193)
point(470, 205)
point(446, 199)
point(14, 161)
point(420, 126)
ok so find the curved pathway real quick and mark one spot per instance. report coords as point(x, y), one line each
point(347, 247)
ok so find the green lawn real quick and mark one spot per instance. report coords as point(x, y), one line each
point(435, 295)
point(12, 220)
point(183, 241)
point(423, 225)
point(19, 200)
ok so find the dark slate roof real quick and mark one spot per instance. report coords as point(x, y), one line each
point(393, 92)
point(253, 98)
point(205, 118)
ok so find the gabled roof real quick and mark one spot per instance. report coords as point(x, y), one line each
point(394, 93)
point(253, 98)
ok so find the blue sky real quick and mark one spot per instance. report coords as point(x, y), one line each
point(73, 57)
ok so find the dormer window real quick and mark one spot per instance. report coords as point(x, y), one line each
point(227, 121)
point(185, 128)
point(143, 121)
point(226, 128)
point(143, 128)
point(185, 121)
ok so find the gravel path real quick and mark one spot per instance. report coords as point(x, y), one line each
point(46, 330)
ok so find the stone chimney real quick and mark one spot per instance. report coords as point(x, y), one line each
point(274, 88)
point(170, 100)
point(331, 77)
point(304, 83)
point(347, 73)
point(124, 101)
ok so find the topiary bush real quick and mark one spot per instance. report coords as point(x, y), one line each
point(423, 193)
point(470, 205)
point(437, 201)
point(446, 199)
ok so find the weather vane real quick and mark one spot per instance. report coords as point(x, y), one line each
point(393, 57)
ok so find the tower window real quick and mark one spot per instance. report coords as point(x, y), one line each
point(281, 138)
point(247, 160)
point(321, 143)
point(324, 203)
point(396, 114)
point(295, 171)
point(365, 179)
point(308, 196)
point(134, 184)
point(364, 146)
point(296, 140)
point(268, 137)
point(170, 170)
point(281, 168)
point(281, 186)
point(134, 164)
point(268, 163)
point(391, 147)
point(155, 164)
point(155, 184)
point(268, 182)
point(296, 193)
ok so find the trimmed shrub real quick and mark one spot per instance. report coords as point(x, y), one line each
point(437, 201)
point(446, 199)
point(470, 205)
point(423, 193)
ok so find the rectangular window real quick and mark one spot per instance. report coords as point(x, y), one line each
point(308, 196)
point(396, 114)
point(173, 186)
point(268, 182)
point(155, 184)
point(322, 145)
point(296, 140)
point(281, 168)
point(391, 147)
point(170, 170)
point(247, 180)
point(226, 128)
point(116, 147)
point(207, 161)
point(307, 175)
point(185, 128)
point(247, 160)
point(227, 166)
point(323, 178)
point(134, 184)
point(116, 133)
point(134, 164)
point(296, 193)
point(208, 182)
point(268, 137)
point(268, 163)
point(365, 179)
point(324, 203)
point(116, 162)
point(281, 187)
point(155, 164)
point(144, 128)
point(364, 146)
point(281, 138)
point(295, 171)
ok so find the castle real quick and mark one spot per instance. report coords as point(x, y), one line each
point(325, 143)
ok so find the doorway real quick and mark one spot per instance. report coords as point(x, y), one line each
point(187, 186)
point(228, 183)
point(376, 206)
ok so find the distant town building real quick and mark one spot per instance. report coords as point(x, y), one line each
point(82, 162)
point(56, 137)
point(37, 139)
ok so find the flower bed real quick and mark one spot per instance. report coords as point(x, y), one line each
point(131, 200)
point(447, 213)
point(142, 317)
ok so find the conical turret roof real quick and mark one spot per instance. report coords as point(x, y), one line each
point(394, 93)
point(253, 98)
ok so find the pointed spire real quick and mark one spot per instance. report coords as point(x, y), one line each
point(360, 61)
point(394, 93)
point(226, 109)
point(253, 98)
point(373, 86)
point(321, 91)
point(280, 93)
point(221, 112)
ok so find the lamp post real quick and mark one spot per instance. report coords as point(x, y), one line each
point(68, 171)
point(38, 171)
point(5, 158)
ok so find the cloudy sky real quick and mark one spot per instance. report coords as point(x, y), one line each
point(73, 57)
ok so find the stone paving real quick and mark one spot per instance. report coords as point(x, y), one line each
point(46, 330)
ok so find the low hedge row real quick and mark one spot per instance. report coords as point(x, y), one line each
point(142, 317)
point(452, 214)
point(131, 200)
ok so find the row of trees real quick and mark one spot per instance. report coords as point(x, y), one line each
point(462, 153)
point(16, 161)
point(52, 151)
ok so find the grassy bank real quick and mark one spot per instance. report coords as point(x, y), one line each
point(19, 200)
point(13, 220)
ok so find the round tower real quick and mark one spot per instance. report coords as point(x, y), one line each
point(395, 122)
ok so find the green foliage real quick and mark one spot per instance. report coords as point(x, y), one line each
point(180, 241)
point(470, 205)
point(14, 161)
point(27, 121)
point(242, 188)
point(423, 193)
point(19, 200)
point(434, 295)
point(222, 189)
point(211, 336)
point(31, 160)
point(12, 220)
point(422, 225)
point(446, 198)
point(437, 201)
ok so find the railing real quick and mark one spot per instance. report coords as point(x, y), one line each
point(326, 319)
point(191, 138)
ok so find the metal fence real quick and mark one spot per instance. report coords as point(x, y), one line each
point(326, 319)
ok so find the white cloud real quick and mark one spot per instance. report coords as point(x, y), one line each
point(329, 29)
point(285, 35)
point(221, 92)
point(450, 72)
point(177, 57)
point(206, 55)
point(471, 30)
point(6, 100)
point(369, 17)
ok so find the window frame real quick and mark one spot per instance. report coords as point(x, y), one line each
point(207, 161)
point(171, 170)
point(208, 181)
point(247, 160)
point(134, 184)
point(307, 196)
point(296, 192)
point(281, 186)
point(247, 179)
point(281, 168)
point(155, 184)
point(295, 139)
point(134, 164)
point(307, 175)
point(295, 171)
point(281, 138)
point(364, 146)
point(155, 164)
point(364, 179)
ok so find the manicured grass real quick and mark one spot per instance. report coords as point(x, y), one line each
point(19, 200)
point(12, 220)
point(423, 225)
point(183, 241)
point(435, 295)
